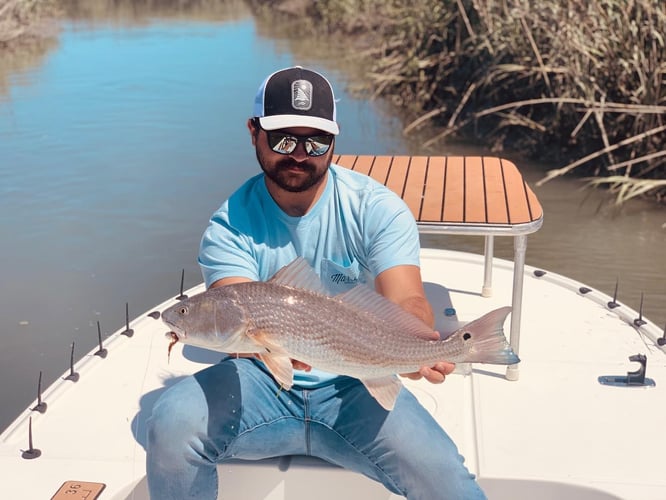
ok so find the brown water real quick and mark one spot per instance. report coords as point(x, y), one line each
point(119, 138)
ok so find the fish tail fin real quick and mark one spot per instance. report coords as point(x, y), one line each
point(489, 343)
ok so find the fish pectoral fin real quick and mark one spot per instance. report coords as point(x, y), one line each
point(274, 357)
point(264, 341)
point(280, 367)
point(384, 389)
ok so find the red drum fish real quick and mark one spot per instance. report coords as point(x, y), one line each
point(358, 333)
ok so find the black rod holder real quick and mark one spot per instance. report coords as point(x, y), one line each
point(613, 304)
point(182, 296)
point(128, 331)
point(640, 321)
point(31, 452)
point(101, 352)
point(73, 376)
point(41, 405)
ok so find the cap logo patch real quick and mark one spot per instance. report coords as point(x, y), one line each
point(301, 95)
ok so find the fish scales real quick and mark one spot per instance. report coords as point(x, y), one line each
point(323, 332)
point(331, 334)
point(358, 333)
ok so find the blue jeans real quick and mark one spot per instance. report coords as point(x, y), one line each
point(235, 410)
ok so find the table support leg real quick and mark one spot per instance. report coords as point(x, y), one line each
point(520, 247)
point(487, 290)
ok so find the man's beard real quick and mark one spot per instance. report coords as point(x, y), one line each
point(279, 174)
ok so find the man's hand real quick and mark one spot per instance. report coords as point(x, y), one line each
point(433, 374)
point(403, 285)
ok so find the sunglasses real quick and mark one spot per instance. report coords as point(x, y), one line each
point(285, 144)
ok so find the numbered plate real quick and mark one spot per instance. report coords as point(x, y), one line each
point(78, 490)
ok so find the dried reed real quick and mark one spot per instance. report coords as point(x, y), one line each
point(584, 80)
point(26, 19)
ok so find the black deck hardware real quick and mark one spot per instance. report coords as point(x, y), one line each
point(155, 315)
point(182, 296)
point(539, 273)
point(101, 352)
point(73, 376)
point(584, 290)
point(613, 304)
point(639, 321)
point(632, 379)
point(637, 377)
point(31, 452)
point(41, 405)
point(662, 340)
point(128, 331)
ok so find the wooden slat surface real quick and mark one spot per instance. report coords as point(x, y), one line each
point(433, 202)
point(475, 193)
point(454, 190)
point(496, 201)
point(453, 196)
point(415, 183)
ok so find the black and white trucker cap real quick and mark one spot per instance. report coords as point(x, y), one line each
point(296, 97)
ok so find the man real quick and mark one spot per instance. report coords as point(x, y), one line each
point(351, 229)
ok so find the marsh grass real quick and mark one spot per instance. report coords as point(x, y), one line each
point(626, 188)
point(26, 19)
point(580, 84)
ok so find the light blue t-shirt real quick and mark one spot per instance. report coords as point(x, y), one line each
point(356, 230)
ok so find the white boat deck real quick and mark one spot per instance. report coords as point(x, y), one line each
point(554, 433)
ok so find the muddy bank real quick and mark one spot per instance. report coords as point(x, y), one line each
point(27, 21)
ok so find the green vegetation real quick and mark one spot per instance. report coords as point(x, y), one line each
point(576, 83)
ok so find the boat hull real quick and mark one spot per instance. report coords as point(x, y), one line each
point(556, 432)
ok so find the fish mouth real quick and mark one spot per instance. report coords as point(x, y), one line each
point(175, 332)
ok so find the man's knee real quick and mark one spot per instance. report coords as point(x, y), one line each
point(178, 414)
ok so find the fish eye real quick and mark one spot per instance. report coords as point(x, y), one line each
point(183, 310)
point(467, 336)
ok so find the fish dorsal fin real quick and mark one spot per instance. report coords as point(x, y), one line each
point(299, 274)
point(384, 389)
point(365, 298)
